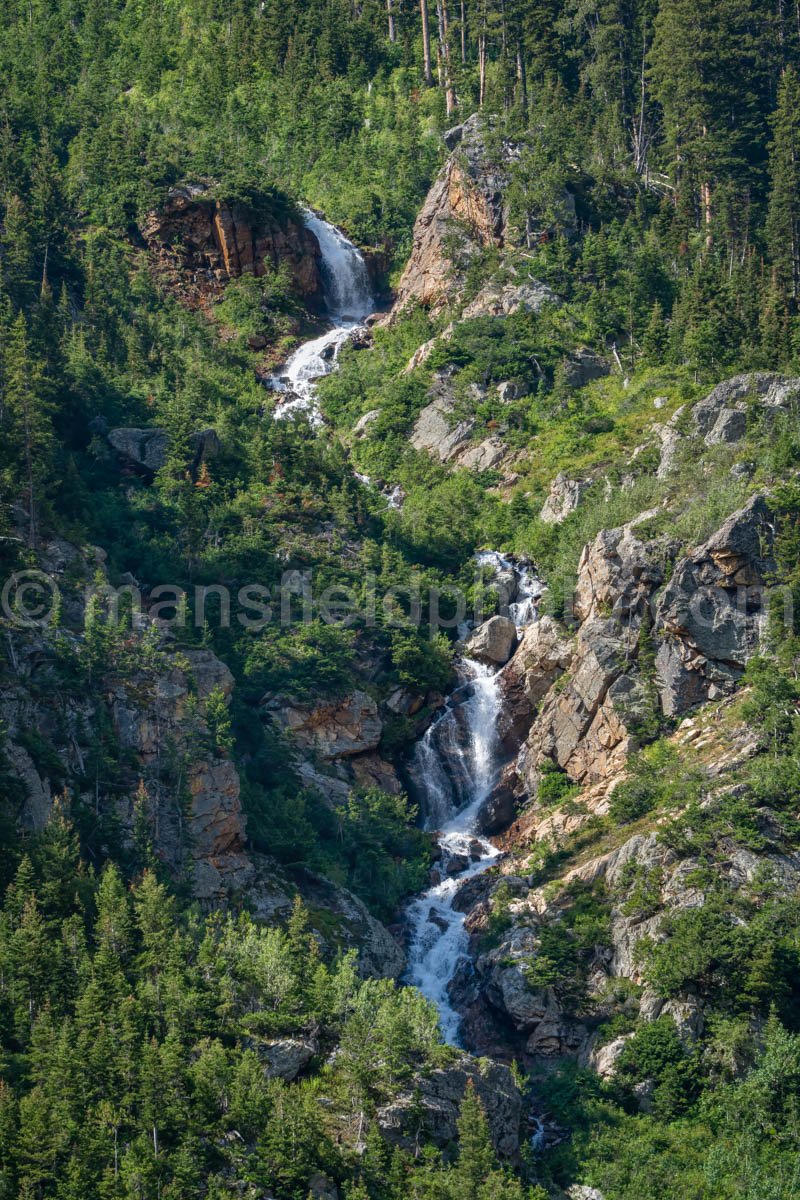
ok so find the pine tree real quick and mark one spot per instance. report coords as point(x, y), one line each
point(709, 69)
point(655, 340)
point(783, 219)
point(476, 1157)
point(25, 413)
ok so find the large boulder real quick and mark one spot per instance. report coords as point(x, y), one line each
point(729, 397)
point(146, 449)
point(498, 809)
point(543, 653)
point(435, 430)
point(603, 1059)
point(285, 1058)
point(431, 1107)
point(484, 456)
point(493, 641)
point(143, 448)
point(583, 366)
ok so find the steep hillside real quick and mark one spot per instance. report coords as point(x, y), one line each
point(399, 715)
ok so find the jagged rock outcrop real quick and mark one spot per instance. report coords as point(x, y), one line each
point(199, 242)
point(564, 497)
point(708, 619)
point(465, 211)
point(581, 726)
point(543, 653)
point(433, 1105)
point(543, 1021)
point(704, 625)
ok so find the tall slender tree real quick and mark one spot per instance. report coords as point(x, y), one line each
point(783, 218)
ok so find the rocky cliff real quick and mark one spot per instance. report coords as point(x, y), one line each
point(199, 242)
point(466, 213)
point(124, 729)
point(655, 637)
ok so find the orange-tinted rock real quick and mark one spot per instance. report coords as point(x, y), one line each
point(200, 243)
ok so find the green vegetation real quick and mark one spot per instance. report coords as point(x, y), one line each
point(136, 1043)
point(656, 192)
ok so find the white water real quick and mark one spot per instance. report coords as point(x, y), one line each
point(348, 298)
point(529, 588)
point(439, 940)
point(456, 765)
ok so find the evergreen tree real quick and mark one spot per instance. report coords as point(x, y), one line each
point(25, 413)
point(783, 219)
point(476, 1157)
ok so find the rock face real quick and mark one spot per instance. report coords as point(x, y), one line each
point(170, 779)
point(721, 417)
point(544, 652)
point(505, 299)
point(709, 615)
point(214, 839)
point(199, 243)
point(465, 203)
point(333, 730)
point(434, 1104)
point(435, 431)
point(439, 432)
point(493, 641)
point(565, 496)
point(379, 955)
point(704, 626)
point(287, 1057)
point(146, 449)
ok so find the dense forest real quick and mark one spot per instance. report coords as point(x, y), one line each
point(651, 151)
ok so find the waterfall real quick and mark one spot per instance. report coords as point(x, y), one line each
point(522, 603)
point(456, 764)
point(348, 299)
point(348, 295)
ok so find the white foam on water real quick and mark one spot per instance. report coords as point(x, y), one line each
point(348, 298)
point(456, 764)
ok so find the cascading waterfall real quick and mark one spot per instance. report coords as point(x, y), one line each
point(348, 298)
point(527, 590)
point(456, 765)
